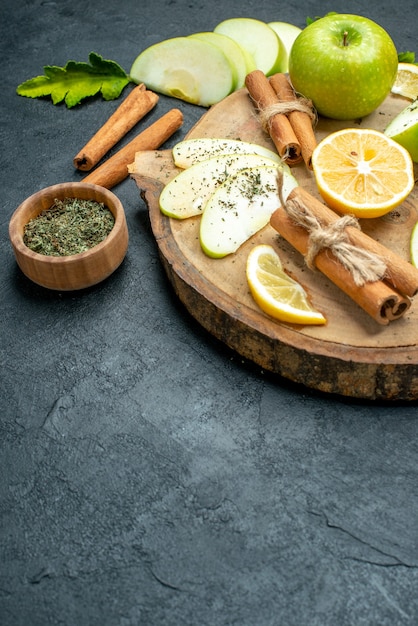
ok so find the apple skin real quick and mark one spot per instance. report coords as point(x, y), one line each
point(346, 64)
point(404, 129)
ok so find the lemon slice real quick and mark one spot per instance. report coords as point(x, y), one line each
point(406, 81)
point(362, 172)
point(275, 292)
point(413, 246)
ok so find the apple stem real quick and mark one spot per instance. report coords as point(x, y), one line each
point(345, 38)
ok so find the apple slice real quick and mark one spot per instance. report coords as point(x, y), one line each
point(260, 41)
point(287, 34)
point(231, 50)
point(187, 193)
point(189, 69)
point(191, 151)
point(404, 129)
point(240, 207)
point(249, 60)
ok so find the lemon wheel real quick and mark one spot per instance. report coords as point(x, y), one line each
point(351, 170)
point(276, 293)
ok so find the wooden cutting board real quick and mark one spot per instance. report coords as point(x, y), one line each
point(352, 355)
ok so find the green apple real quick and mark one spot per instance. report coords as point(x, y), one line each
point(404, 129)
point(231, 50)
point(346, 64)
point(287, 34)
point(240, 207)
point(260, 41)
point(187, 193)
point(189, 69)
point(191, 151)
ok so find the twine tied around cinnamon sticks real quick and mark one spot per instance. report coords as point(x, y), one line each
point(296, 105)
point(375, 277)
point(289, 119)
point(364, 266)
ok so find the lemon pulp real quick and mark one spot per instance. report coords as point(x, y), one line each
point(276, 293)
point(362, 171)
point(406, 81)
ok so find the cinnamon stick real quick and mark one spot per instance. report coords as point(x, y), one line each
point(300, 117)
point(401, 274)
point(115, 169)
point(380, 300)
point(135, 106)
point(275, 123)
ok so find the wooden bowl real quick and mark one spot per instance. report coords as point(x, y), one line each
point(78, 271)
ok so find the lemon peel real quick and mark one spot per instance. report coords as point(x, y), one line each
point(276, 293)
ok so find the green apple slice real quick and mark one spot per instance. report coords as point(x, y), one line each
point(240, 207)
point(404, 129)
point(249, 60)
point(187, 193)
point(260, 41)
point(231, 50)
point(287, 34)
point(189, 69)
point(191, 151)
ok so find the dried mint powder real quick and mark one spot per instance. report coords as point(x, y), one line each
point(68, 227)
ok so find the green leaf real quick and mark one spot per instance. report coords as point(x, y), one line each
point(309, 20)
point(77, 81)
point(406, 57)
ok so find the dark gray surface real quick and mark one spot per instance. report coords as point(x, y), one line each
point(148, 475)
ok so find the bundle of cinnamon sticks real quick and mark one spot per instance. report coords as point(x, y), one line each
point(385, 295)
point(376, 278)
point(136, 105)
point(287, 118)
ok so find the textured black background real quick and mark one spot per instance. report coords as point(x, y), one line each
point(148, 475)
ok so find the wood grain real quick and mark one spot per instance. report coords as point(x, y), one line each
point(352, 355)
